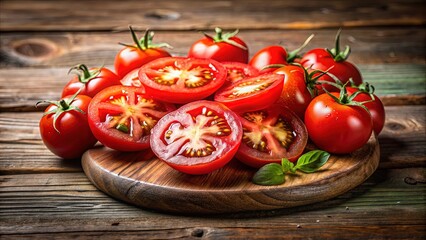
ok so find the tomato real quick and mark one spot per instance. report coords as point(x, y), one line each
point(271, 55)
point(298, 90)
point(334, 62)
point(182, 80)
point(132, 79)
point(90, 81)
point(197, 138)
point(223, 47)
point(122, 117)
point(134, 56)
point(270, 135)
point(252, 93)
point(336, 126)
point(64, 128)
point(376, 108)
point(237, 71)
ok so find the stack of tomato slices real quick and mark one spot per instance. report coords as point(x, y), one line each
point(197, 113)
point(169, 113)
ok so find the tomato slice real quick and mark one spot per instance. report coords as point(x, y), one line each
point(132, 79)
point(270, 135)
point(250, 94)
point(182, 80)
point(237, 71)
point(197, 138)
point(122, 117)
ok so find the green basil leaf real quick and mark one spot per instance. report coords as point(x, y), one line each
point(312, 161)
point(287, 166)
point(270, 174)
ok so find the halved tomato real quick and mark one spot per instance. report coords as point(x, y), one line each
point(197, 138)
point(237, 71)
point(252, 93)
point(122, 117)
point(182, 80)
point(270, 135)
point(132, 79)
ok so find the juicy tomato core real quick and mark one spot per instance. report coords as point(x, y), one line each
point(196, 135)
point(268, 135)
point(248, 87)
point(135, 118)
point(235, 75)
point(191, 78)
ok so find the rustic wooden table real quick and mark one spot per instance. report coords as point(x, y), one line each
point(43, 196)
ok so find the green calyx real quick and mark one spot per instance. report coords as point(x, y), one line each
point(84, 74)
point(337, 54)
point(291, 56)
point(225, 37)
point(62, 106)
point(145, 42)
point(346, 99)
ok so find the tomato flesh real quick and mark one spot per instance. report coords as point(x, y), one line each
point(237, 71)
point(270, 135)
point(251, 94)
point(122, 117)
point(198, 138)
point(182, 80)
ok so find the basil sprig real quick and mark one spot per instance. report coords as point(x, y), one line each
point(274, 173)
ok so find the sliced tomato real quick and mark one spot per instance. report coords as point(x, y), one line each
point(237, 71)
point(252, 93)
point(122, 117)
point(132, 79)
point(182, 80)
point(270, 135)
point(197, 138)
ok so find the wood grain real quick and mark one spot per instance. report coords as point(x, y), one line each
point(169, 14)
point(66, 49)
point(402, 142)
point(138, 179)
point(20, 89)
point(30, 202)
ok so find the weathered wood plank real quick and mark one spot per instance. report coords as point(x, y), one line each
point(24, 15)
point(66, 49)
point(30, 202)
point(20, 89)
point(401, 142)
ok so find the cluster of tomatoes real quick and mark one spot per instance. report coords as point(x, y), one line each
point(198, 112)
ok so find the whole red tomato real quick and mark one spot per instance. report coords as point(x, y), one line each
point(372, 103)
point(64, 128)
point(90, 82)
point(298, 90)
point(134, 56)
point(223, 47)
point(337, 125)
point(275, 55)
point(334, 62)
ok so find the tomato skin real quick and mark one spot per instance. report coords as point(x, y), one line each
point(320, 59)
point(376, 108)
point(295, 94)
point(178, 92)
point(104, 79)
point(219, 48)
point(191, 120)
point(267, 56)
point(103, 105)
point(271, 88)
point(335, 127)
point(264, 130)
point(74, 136)
point(130, 58)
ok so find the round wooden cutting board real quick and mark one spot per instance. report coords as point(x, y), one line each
point(142, 180)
